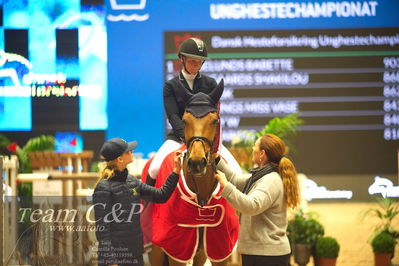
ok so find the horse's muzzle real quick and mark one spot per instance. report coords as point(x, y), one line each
point(197, 166)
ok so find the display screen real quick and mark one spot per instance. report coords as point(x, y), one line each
point(53, 65)
point(344, 83)
point(68, 142)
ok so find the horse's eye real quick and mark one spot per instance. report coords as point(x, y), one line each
point(215, 122)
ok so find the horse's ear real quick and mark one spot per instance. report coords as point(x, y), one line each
point(186, 94)
point(217, 92)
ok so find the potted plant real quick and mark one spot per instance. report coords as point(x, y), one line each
point(303, 232)
point(383, 244)
point(384, 236)
point(326, 251)
point(283, 127)
point(386, 212)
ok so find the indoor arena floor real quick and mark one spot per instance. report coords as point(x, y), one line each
point(344, 222)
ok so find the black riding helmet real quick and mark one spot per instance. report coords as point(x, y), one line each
point(193, 47)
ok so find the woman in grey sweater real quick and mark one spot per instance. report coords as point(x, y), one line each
point(262, 198)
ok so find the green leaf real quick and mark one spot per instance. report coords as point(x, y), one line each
point(40, 143)
point(284, 127)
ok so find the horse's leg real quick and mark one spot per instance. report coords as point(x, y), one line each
point(222, 263)
point(158, 257)
point(172, 262)
point(199, 258)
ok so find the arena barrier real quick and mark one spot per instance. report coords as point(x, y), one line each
point(9, 171)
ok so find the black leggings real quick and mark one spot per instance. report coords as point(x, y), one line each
point(257, 260)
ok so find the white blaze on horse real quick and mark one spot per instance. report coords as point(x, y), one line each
point(196, 223)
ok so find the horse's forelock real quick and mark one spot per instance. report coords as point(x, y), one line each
point(200, 104)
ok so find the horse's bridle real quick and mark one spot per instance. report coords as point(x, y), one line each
point(202, 140)
point(207, 155)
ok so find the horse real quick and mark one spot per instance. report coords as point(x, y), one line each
point(196, 223)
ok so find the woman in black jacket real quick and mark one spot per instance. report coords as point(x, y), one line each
point(117, 207)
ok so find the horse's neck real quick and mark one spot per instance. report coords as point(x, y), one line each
point(203, 186)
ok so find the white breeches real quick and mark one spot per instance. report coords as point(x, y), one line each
point(167, 147)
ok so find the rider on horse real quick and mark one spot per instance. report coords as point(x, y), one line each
point(192, 54)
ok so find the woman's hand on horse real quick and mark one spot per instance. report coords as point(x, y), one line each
point(221, 178)
point(177, 162)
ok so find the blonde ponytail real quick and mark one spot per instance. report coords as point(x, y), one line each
point(290, 180)
point(275, 148)
point(107, 171)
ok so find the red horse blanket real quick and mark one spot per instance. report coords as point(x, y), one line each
point(175, 224)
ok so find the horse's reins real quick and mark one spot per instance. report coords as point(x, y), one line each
point(209, 162)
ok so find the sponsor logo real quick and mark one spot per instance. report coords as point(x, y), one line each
point(313, 191)
point(383, 186)
point(127, 8)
